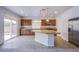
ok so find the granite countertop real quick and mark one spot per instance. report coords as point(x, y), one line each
point(47, 31)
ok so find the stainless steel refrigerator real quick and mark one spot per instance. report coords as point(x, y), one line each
point(73, 30)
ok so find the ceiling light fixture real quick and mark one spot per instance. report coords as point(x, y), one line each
point(47, 13)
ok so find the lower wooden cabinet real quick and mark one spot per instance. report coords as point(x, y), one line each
point(26, 32)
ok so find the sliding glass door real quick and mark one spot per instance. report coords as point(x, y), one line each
point(9, 28)
point(13, 28)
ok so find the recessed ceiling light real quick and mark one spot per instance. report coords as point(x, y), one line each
point(56, 12)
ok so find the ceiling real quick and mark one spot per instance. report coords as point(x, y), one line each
point(34, 11)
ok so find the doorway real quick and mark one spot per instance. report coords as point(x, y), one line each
point(9, 28)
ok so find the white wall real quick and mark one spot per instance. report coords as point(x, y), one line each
point(36, 24)
point(62, 21)
point(1, 25)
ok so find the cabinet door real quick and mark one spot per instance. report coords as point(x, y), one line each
point(51, 22)
point(23, 30)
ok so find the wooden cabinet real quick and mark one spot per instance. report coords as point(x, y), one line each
point(52, 22)
point(26, 22)
point(26, 32)
point(23, 30)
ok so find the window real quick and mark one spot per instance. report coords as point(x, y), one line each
point(9, 28)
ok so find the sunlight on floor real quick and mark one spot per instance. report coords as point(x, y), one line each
point(7, 37)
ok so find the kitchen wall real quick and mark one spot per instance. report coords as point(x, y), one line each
point(36, 24)
point(62, 21)
point(1, 25)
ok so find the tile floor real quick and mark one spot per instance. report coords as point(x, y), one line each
point(27, 44)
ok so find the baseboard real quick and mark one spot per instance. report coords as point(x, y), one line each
point(73, 43)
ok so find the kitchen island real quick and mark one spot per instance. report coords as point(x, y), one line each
point(45, 37)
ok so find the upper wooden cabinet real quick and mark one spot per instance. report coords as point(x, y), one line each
point(52, 22)
point(26, 22)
